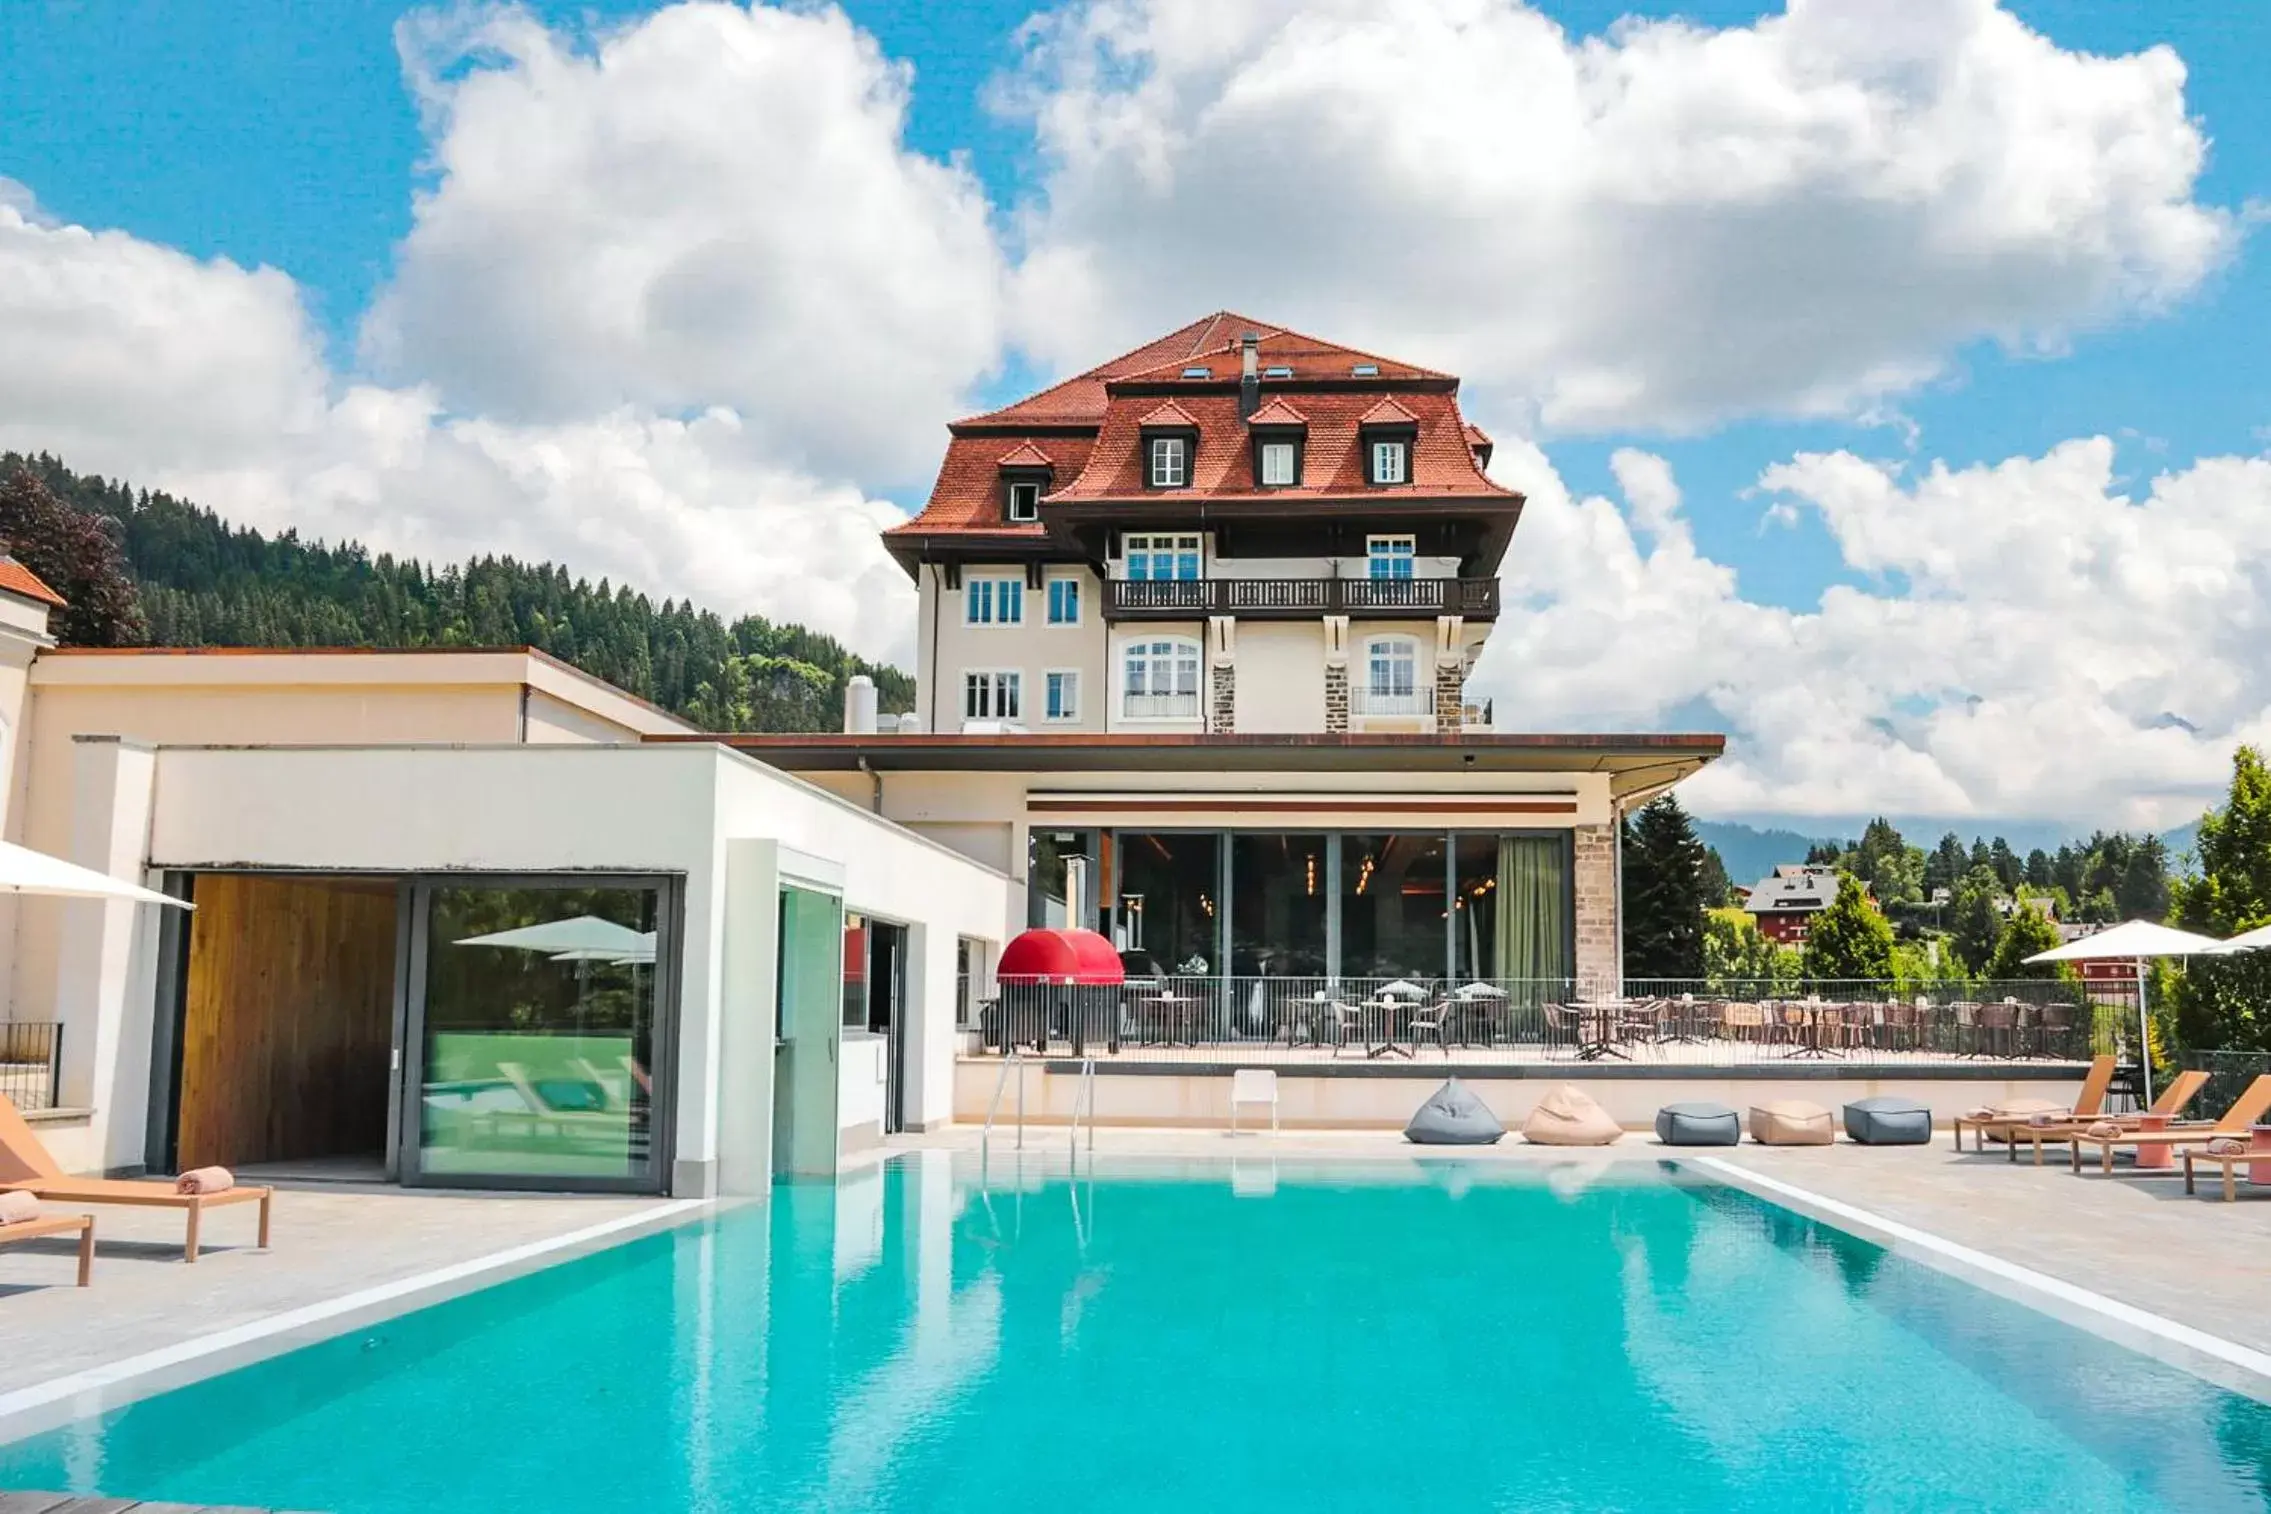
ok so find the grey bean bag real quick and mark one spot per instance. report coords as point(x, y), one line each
point(1699, 1125)
point(1888, 1120)
point(1453, 1117)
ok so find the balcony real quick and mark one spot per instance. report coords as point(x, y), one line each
point(1300, 598)
point(1400, 703)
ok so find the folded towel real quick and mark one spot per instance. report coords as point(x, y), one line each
point(205, 1180)
point(2104, 1128)
point(1981, 1113)
point(16, 1206)
point(2227, 1146)
point(2044, 1119)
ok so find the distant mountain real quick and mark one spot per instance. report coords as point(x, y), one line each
point(1751, 853)
point(203, 582)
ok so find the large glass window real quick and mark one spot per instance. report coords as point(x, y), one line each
point(1064, 601)
point(1154, 557)
point(1393, 906)
point(1390, 679)
point(1160, 679)
point(1280, 896)
point(1390, 556)
point(993, 601)
point(1060, 867)
point(1169, 898)
point(538, 1052)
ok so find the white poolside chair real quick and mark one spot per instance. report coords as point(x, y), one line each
point(1253, 1085)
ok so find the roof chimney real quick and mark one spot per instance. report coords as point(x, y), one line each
point(859, 705)
point(1249, 374)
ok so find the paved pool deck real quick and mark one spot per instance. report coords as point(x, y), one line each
point(2139, 1241)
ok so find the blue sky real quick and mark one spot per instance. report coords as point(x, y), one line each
point(285, 136)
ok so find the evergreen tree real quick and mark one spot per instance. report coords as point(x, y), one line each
point(2226, 1001)
point(1849, 940)
point(202, 582)
point(1718, 888)
point(1665, 868)
point(1947, 864)
point(2143, 891)
point(2038, 871)
point(1974, 924)
point(2025, 932)
point(2006, 864)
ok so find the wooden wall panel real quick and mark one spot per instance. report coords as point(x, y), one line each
point(287, 1026)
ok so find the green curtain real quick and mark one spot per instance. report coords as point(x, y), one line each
point(1533, 907)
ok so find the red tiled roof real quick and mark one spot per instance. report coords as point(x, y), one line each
point(15, 578)
point(1277, 413)
point(1086, 428)
point(1332, 459)
point(1476, 436)
point(1169, 414)
point(1026, 455)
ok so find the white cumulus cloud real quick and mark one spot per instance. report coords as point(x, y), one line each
point(2040, 638)
point(711, 207)
point(1664, 227)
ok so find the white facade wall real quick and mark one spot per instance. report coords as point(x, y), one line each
point(951, 647)
point(1280, 675)
point(673, 809)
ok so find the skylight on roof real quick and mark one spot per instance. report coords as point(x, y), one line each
point(1277, 371)
point(1198, 373)
point(1366, 370)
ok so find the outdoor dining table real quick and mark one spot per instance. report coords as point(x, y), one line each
point(1598, 1026)
point(1812, 1016)
point(1380, 1017)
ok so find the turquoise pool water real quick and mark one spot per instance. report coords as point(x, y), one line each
point(1431, 1337)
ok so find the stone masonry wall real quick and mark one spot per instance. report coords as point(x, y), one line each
point(1225, 713)
point(1598, 950)
point(1450, 695)
point(1336, 697)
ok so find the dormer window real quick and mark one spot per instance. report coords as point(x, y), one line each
point(1170, 462)
point(1278, 465)
point(1391, 461)
point(1389, 431)
point(1024, 502)
point(1025, 474)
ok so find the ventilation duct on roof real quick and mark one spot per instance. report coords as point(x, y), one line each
point(1249, 374)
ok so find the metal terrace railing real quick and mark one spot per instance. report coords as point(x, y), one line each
point(1248, 1019)
point(1299, 598)
point(31, 1063)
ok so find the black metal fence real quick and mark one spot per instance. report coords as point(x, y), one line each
point(31, 1063)
point(1195, 1018)
point(2229, 1073)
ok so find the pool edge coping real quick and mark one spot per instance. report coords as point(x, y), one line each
point(95, 1390)
point(2202, 1353)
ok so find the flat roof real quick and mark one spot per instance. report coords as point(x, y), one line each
point(531, 667)
point(1635, 762)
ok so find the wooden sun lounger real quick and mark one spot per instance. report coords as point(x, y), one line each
point(2245, 1111)
point(58, 1224)
point(2228, 1161)
point(2086, 1104)
point(2176, 1097)
point(25, 1164)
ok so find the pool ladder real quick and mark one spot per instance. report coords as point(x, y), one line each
point(1083, 1097)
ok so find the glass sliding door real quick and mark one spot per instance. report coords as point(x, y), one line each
point(1281, 894)
point(1169, 900)
point(1393, 902)
point(537, 1033)
point(809, 1013)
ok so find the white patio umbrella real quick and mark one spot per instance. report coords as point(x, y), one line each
point(2139, 939)
point(24, 871)
point(586, 935)
point(2247, 941)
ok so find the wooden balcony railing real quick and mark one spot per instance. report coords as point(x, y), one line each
point(1300, 598)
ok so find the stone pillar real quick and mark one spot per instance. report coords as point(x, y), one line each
point(1450, 695)
point(1599, 964)
point(1336, 696)
point(1225, 690)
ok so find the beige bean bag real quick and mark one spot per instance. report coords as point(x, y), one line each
point(1792, 1122)
point(1566, 1117)
point(2022, 1109)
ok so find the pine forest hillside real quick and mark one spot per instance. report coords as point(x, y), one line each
point(203, 582)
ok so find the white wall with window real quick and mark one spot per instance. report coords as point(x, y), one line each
point(993, 694)
point(1057, 623)
point(1161, 678)
point(1152, 556)
point(1390, 675)
point(1060, 695)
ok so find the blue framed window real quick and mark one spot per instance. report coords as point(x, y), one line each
point(993, 601)
point(1153, 558)
point(1062, 696)
point(1390, 556)
point(1064, 601)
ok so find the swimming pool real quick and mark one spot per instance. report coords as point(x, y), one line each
point(1453, 1336)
